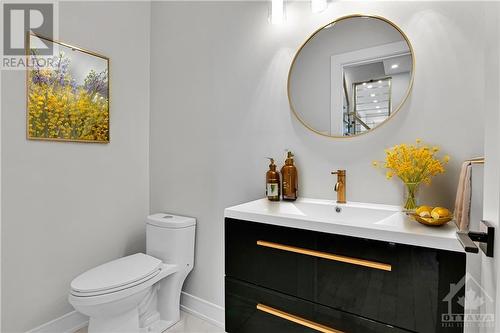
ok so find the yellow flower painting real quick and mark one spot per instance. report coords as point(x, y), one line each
point(68, 95)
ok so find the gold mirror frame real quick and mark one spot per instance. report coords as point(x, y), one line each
point(408, 91)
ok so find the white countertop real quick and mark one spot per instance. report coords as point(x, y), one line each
point(372, 221)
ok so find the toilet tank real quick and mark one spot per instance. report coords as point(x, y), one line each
point(170, 238)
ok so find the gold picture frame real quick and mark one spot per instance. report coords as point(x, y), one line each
point(67, 94)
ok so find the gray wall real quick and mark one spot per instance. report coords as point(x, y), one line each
point(219, 106)
point(67, 207)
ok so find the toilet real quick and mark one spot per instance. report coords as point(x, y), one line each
point(140, 293)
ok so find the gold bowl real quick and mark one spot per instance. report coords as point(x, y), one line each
point(430, 221)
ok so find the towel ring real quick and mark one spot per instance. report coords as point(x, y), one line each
point(476, 160)
point(485, 238)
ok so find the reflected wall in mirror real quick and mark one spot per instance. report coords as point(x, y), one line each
point(351, 76)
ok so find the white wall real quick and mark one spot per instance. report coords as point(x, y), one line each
point(1, 31)
point(219, 106)
point(491, 209)
point(67, 207)
point(399, 87)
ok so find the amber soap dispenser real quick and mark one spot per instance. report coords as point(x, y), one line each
point(272, 182)
point(289, 178)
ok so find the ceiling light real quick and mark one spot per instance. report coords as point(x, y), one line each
point(375, 101)
point(379, 81)
point(277, 11)
point(372, 95)
point(370, 86)
point(317, 6)
point(395, 66)
point(377, 107)
point(364, 83)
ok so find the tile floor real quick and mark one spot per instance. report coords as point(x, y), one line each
point(187, 324)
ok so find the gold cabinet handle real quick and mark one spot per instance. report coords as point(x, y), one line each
point(324, 255)
point(296, 319)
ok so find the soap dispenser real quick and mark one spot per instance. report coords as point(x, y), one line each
point(273, 182)
point(289, 178)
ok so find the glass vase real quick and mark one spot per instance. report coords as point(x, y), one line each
point(411, 196)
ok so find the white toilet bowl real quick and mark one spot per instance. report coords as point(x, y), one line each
point(139, 293)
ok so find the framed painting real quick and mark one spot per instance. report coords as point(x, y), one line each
point(67, 94)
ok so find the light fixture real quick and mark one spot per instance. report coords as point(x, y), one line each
point(377, 107)
point(372, 95)
point(395, 66)
point(317, 6)
point(364, 83)
point(369, 86)
point(277, 11)
point(375, 101)
point(379, 81)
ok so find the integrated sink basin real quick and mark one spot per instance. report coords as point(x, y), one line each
point(372, 221)
point(357, 214)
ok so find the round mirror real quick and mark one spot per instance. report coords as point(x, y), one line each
point(351, 76)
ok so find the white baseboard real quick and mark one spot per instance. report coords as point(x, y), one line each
point(68, 323)
point(203, 309)
point(73, 321)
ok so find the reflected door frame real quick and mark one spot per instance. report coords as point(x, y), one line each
point(358, 57)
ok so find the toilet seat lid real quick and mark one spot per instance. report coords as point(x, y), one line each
point(116, 273)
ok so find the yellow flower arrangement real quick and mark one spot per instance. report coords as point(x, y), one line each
point(413, 164)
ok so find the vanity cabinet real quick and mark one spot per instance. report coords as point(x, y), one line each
point(253, 309)
point(282, 279)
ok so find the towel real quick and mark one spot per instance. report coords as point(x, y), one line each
point(463, 199)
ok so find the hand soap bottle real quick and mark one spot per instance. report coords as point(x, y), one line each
point(289, 178)
point(272, 182)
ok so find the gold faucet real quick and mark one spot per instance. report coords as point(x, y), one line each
point(340, 185)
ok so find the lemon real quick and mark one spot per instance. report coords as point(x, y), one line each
point(439, 212)
point(424, 211)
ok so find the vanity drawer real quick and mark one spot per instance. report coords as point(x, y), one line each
point(253, 309)
point(400, 285)
point(279, 270)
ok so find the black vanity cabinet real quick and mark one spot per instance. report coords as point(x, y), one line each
point(281, 279)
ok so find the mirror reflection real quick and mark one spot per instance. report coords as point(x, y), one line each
point(351, 76)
